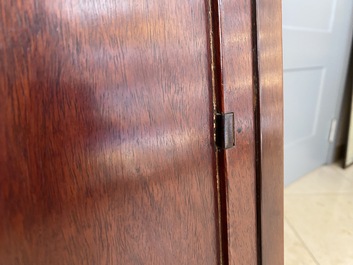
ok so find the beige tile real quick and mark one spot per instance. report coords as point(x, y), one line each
point(326, 179)
point(347, 172)
point(295, 252)
point(325, 224)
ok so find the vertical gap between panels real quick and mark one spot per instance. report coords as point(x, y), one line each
point(257, 121)
point(218, 107)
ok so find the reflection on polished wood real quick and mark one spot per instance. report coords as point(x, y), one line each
point(106, 144)
point(107, 152)
point(238, 89)
point(270, 137)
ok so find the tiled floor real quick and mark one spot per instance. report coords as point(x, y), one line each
point(318, 225)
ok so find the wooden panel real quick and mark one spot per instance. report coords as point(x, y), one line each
point(270, 123)
point(106, 148)
point(237, 90)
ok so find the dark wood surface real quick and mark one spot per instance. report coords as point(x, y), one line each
point(106, 134)
point(107, 148)
point(239, 162)
point(270, 136)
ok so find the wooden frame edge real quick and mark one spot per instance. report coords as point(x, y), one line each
point(269, 116)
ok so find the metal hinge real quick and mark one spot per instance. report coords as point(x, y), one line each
point(225, 135)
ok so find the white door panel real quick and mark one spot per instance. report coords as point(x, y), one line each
point(304, 49)
point(303, 91)
point(314, 14)
point(317, 38)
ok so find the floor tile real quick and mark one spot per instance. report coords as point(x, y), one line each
point(325, 225)
point(295, 252)
point(326, 179)
point(347, 172)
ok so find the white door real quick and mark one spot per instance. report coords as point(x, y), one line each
point(317, 37)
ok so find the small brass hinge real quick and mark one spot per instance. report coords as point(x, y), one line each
point(225, 135)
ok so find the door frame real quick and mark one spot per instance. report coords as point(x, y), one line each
point(247, 192)
point(267, 21)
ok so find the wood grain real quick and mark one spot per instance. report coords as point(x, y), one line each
point(270, 125)
point(237, 95)
point(106, 151)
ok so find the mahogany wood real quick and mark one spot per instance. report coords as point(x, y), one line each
point(106, 144)
point(107, 152)
point(270, 125)
point(237, 88)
